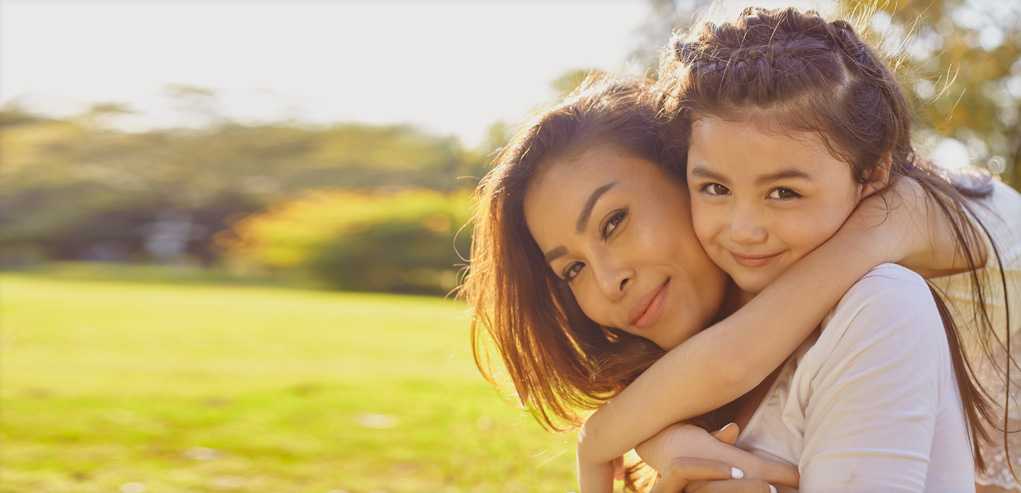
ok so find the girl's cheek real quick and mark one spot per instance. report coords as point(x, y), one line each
point(705, 223)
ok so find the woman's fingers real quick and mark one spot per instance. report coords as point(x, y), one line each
point(732, 486)
point(779, 473)
point(683, 470)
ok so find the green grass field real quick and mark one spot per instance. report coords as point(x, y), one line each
point(125, 383)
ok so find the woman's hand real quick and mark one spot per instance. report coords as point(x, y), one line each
point(681, 440)
point(662, 451)
point(683, 474)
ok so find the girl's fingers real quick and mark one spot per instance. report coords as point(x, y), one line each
point(683, 470)
point(618, 469)
point(732, 486)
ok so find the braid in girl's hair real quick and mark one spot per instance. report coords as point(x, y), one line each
point(799, 72)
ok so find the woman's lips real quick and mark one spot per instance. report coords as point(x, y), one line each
point(754, 260)
point(652, 309)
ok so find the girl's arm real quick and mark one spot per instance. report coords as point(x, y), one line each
point(734, 355)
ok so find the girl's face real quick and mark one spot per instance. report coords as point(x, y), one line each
point(617, 229)
point(761, 200)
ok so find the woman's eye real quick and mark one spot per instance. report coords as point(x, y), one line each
point(781, 193)
point(572, 271)
point(611, 224)
point(714, 189)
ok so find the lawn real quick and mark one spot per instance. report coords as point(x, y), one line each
point(129, 384)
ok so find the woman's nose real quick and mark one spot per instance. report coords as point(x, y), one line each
point(614, 279)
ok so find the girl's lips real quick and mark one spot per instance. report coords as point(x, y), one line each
point(754, 260)
point(654, 308)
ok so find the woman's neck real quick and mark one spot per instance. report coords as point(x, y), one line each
point(740, 410)
point(733, 299)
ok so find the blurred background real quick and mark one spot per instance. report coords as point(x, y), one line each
point(229, 230)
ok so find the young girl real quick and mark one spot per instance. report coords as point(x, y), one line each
point(790, 121)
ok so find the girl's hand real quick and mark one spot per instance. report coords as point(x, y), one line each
point(691, 442)
point(894, 222)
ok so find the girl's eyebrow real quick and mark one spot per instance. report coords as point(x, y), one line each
point(781, 175)
point(701, 172)
point(762, 179)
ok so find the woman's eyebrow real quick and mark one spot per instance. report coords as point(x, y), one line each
point(590, 204)
point(555, 254)
point(583, 218)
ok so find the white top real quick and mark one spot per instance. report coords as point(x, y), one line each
point(872, 403)
point(1000, 213)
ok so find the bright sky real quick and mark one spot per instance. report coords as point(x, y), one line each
point(453, 67)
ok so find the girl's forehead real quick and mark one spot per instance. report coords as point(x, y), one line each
point(739, 151)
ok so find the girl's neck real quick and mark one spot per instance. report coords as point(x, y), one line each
point(733, 299)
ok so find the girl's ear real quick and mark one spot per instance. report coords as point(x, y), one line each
point(879, 178)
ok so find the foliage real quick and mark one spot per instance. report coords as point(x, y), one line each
point(375, 241)
point(73, 188)
point(960, 61)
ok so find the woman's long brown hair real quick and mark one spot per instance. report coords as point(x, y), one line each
point(559, 360)
point(798, 72)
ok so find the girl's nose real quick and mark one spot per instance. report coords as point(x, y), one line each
point(746, 227)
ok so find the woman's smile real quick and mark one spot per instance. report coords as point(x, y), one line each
point(649, 311)
point(615, 228)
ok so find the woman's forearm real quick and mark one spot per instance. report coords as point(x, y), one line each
point(734, 355)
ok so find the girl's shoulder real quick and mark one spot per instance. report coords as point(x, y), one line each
point(890, 307)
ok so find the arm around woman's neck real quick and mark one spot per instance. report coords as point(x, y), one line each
point(734, 355)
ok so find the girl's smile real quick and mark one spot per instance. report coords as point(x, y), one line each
point(762, 199)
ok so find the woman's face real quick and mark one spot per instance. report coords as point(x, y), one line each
point(617, 229)
point(761, 200)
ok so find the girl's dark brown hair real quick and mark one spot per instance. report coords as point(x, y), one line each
point(559, 360)
point(795, 71)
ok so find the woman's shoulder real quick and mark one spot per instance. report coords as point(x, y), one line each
point(1000, 214)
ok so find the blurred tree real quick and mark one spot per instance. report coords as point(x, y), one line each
point(569, 81)
point(68, 185)
point(960, 61)
point(201, 103)
point(406, 241)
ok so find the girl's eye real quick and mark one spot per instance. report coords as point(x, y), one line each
point(572, 271)
point(611, 224)
point(714, 189)
point(781, 193)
